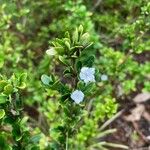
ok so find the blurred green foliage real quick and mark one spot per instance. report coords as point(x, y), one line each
point(30, 116)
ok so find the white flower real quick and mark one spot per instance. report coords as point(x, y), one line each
point(51, 51)
point(77, 96)
point(87, 74)
point(104, 77)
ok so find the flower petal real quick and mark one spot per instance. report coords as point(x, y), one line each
point(77, 96)
point(87, 74)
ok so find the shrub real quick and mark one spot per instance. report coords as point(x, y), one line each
point(90, 69)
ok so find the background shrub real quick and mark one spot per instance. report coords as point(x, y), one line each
point(116, 43)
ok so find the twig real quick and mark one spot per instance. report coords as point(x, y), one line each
point(67, 141)
point(90, 106)
point(97, 4)
point(112, 119)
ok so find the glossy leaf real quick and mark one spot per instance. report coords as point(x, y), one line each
point(2, 113)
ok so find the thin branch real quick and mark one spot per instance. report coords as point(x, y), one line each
point(112, 119)
point(97, 4)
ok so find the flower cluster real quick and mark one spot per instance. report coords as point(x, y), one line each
point(87, 75)
point(77, 96)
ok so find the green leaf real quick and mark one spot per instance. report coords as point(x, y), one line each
point(1, 61)
point(80, 30)
point(64, 60)
point(67, 112)
point(68, 72)
point(45, 79)
point(36, 138)
point(67, 45)
point(2, 113)
point(16, 132)
point(75, 36)
point(54, 145)
point(60, 50)
point(85, 38)
point(24, 120)
point(89, 88)
point(64, 97)
point(22, 80)
point(8, 89)
point(67, 35)
point(2, 85)
point(78, 65)
point(3, 99)
point(89, 61)
point(22, 86)
point(9, 119)
point(3, 142)
point(23, 77)
point(60, 87)
point(81, 85)
point(35, 148)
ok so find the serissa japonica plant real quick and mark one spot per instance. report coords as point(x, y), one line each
point(76, 82)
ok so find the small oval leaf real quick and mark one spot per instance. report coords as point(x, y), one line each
point(45, 79)
point(8, 89)
point(2, 113)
